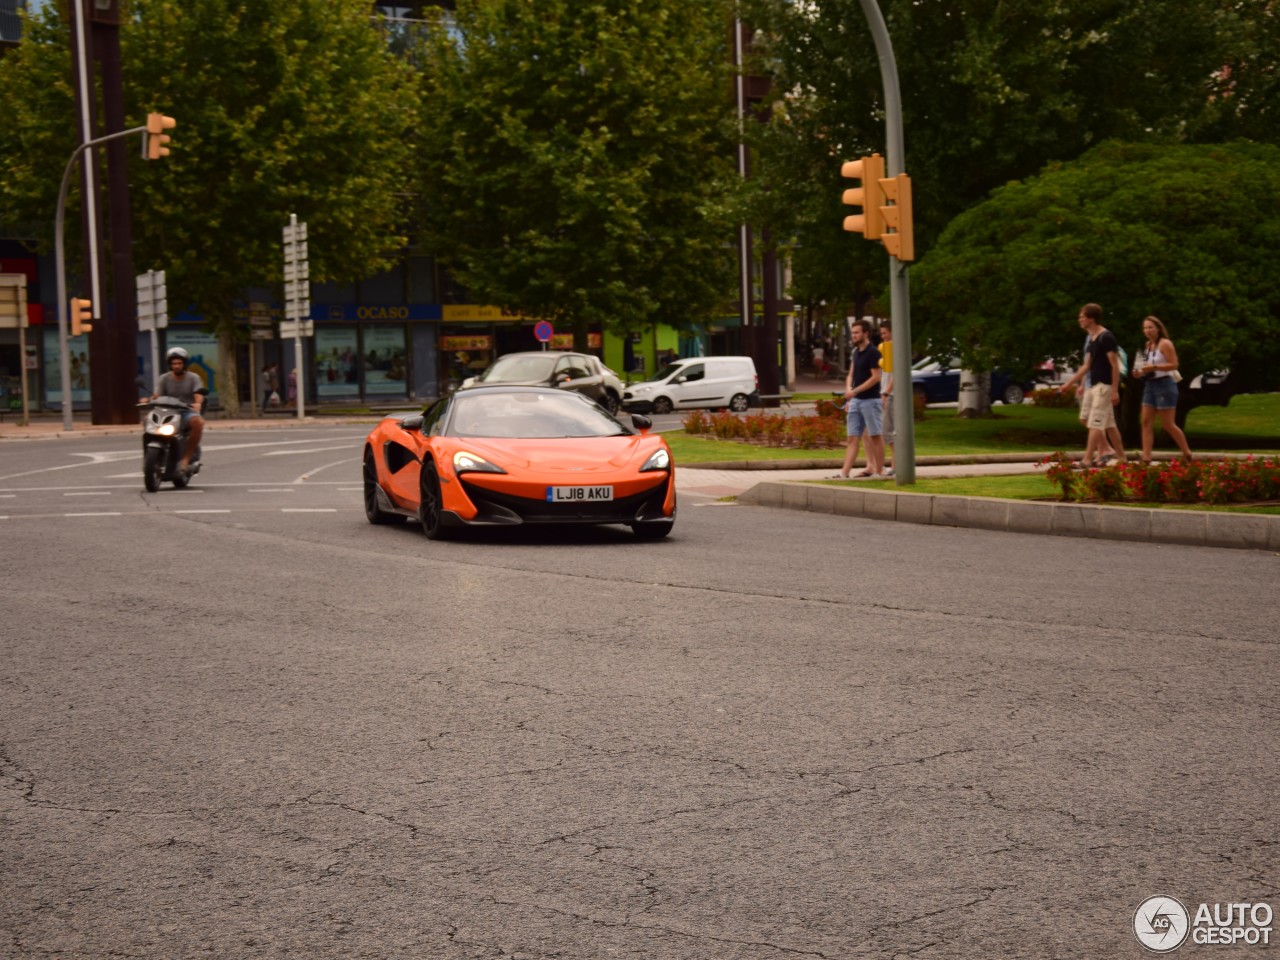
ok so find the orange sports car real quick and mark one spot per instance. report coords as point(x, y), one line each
point(504, 455)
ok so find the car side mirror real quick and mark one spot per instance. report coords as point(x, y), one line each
point(681, 379)
point(641, 423)
point(563, 378)
point(412, 423)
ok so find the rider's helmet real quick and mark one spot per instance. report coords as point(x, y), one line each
point(179, 353)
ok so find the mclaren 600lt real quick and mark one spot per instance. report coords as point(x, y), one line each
point(501, 456)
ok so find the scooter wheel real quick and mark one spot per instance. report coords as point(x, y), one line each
point(153, 469)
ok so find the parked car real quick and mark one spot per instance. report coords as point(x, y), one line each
point(939, 383)
point(696, 382)
point(505, 456)
point(580, 372)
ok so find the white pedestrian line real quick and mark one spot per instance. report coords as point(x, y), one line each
point(91, 514)
point(202, 511)
point(308, 510)
point(89, 493)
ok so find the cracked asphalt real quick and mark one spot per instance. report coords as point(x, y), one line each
point(264, 734)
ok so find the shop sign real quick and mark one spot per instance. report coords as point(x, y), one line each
point(466, 343)
point(564, 341)
point(471, 313)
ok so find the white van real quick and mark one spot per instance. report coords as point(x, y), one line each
point(696, 382)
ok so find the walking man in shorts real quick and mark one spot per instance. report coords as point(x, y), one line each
point(862, 392)
point(1097, 410)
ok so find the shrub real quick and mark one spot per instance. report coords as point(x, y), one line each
point(1177, 481)
point(1050, 397)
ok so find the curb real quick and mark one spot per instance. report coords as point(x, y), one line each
point(834, 463)
point(1136, 524)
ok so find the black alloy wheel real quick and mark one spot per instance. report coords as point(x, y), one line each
point(430, 506)
point(610, 402)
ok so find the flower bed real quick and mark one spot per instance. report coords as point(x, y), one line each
point(1177, 481)
point(771, 429)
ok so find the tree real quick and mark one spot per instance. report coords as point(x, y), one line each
point(1187, 233)
point(992, 89)
point(573, 158)
point(287, 107)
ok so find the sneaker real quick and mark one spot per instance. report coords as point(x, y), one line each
point(838, 476)
point(888, 472)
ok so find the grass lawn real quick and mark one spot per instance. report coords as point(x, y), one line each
point(1251, 422)
point(1022, 486)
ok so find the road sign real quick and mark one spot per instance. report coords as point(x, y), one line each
point(13, 301)
point(543, 331)
point(153, 303)
point(297, 328)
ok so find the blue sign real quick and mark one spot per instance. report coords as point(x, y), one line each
point(543, 331)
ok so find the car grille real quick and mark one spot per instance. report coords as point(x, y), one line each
point(503, 508)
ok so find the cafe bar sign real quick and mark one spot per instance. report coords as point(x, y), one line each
point(466, 343)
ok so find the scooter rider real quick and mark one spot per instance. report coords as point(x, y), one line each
point(184, 385)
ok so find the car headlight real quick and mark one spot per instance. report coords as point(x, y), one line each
point(637, 391)
point(464, 462)
point(658, 460)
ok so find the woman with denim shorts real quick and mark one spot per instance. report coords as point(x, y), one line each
point(1155, 367)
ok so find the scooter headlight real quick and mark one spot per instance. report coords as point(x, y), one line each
point(166, 430)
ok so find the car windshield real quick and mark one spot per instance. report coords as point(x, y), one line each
point(530, 416)
point(667, 371)
point(521, 369)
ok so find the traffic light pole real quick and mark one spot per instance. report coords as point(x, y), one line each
point(64, 351)
point(904, 450)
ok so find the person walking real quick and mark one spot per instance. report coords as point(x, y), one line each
point(1100, 400)
point(862, 391)
point(1157, 368)
point(270, 386)
point(886, 390)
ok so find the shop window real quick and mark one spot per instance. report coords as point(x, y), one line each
point(337, 367)
point(384, 362)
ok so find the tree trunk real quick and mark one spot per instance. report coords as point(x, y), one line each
point(229, 388)
point(580, 338)
point(975, 394)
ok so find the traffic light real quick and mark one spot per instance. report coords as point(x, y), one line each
point(869, 170)
point(157, 123)
point(81, 315)
point(901, 242)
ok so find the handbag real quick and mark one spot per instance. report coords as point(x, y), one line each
point(274, 399)
point(1177, 377)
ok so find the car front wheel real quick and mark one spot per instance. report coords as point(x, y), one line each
point(662, 405)
point(1014, 394)
point(430, 505)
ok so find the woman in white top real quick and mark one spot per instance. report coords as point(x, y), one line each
point(1155, 367)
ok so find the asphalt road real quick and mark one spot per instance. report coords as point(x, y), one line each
point(237, 721)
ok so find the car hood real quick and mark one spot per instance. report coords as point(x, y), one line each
point(580, 454)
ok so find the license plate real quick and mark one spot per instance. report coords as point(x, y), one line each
point(578, 494)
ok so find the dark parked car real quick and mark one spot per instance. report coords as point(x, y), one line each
point(554, 368)
point(941, 384)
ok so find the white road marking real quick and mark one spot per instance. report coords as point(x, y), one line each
point(89, 493)
point(91, 514)
point(285, 490)
point(337, 463)
point(340, 490)
point(202, 511)
point(308, 510)
point(10, 495)
point(291, 453)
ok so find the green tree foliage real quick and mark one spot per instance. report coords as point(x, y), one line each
point(573, 157)
point(285, 107)
point(1187, 233)
point(992, 91)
